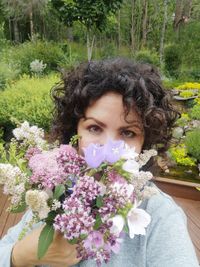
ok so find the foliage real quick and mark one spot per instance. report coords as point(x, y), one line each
point(27, 99)
point(172, 59)
point(179, 155)
point(146, 56)
point(89, 13)
point(186, 94)
point(183, 120)
point(188, 85)
point(8, 72)
point(192, 142)
point(195, 112)
point(171, 83)
point(48, 52)
point(37, 67)
point(108, 51)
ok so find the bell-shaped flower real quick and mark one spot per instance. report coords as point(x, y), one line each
point(117, 224)
point(138, 220)
point(131, 166)
point(94, 155)
point(129, 153)
point(114, 150)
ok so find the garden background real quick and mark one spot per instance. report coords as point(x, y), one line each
point(40, 38)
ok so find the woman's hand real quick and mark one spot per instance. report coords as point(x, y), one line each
point(59, 254)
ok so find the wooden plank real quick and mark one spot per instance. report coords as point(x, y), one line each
point(181, 190)
point(192, 210)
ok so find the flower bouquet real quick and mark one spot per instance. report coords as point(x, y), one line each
point(92, 199)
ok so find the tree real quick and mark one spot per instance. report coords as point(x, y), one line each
point(16, 10)
point(165, 2)
point(182, 13)
point(91, 13)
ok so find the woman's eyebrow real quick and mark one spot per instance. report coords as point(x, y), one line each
point(96, 120)
point(132, 125)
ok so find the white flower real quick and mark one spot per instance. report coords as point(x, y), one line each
point(37, 66)
point(43, 213)
point(129, 153)
point(118, 224)
point(56, 204)
point(131, 166)
point(36, 199)
point(137, 219)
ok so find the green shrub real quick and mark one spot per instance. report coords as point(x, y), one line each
point(27, 99)
point(48, 52)
point(183, 120)
point(149, 57)
point(108, 51)
point(179, 155)
point(186, 93)
point(192, 142)
point(8, 72)
point(195, 112)
point(172, 59)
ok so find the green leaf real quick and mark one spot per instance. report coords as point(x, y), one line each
point(98, 222)
point(59, 190)
point(19, 208)
point(45, 240)
point(126, 229)
point(51, 216)
point(73, 241)
point(99, 201)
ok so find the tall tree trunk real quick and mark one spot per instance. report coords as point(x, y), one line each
point(15, 30)
point(144, 23)
point(178, 14)
point(182, 14)
point(133, 26)
point(70, 36)
point(119, 30)
point(31, 24)
point(10, 28)
point(165, 2)
point(90, 44)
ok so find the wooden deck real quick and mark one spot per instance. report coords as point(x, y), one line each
point(190, 204)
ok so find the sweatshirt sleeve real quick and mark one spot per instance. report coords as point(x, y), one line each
point(8, 241)
point(168, 234)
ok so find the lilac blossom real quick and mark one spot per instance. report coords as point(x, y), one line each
point(45, 169)
point(76, 221)
point(94, 240)
point(69, 160)
point(86, 189)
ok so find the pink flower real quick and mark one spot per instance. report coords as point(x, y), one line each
point(94, 240)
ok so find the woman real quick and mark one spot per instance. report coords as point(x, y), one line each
point(113, 99)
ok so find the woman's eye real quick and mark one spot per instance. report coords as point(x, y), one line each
point(94, 129)
point(127, 134)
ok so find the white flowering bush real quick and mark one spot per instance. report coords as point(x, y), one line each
point(37, 66)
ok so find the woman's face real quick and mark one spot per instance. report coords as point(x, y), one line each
point(105, 119)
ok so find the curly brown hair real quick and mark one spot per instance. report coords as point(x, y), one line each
point(141, 89)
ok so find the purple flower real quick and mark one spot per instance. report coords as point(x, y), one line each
point(114, 150)
point(94, 155)
point(94, 240)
